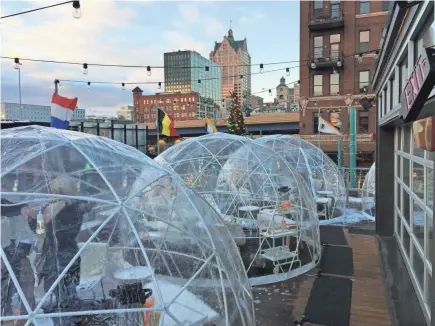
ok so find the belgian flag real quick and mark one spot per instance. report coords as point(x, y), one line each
point(165, 124)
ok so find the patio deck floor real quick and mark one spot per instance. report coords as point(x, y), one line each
point(284, 303)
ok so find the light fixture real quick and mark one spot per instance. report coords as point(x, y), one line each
point(339, 63)
point(287, 70)
point(15, 188)
point(270, 92)
point(199, 81)
point(77, 13)
point(313, 65)
point(148, 70)
point(338, 95)
point(17, 63)
point(334, 71)
point(207, 68)
point(261, 68)
point(89, 84)
point(376, 53)
point(159, 85)
point(315, 104)
point(123, 86)
point(85, 69)
point(299, 82)
point(241, 76)
point(360, 58)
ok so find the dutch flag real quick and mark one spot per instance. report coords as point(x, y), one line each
point(62, 109)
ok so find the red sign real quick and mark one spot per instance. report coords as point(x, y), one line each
point(424, 134)
point(419, 86)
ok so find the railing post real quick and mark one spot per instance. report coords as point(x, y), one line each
point(137, 137)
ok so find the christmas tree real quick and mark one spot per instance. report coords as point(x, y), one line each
point(236, 122)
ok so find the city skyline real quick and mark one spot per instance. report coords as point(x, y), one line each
point(107, 29)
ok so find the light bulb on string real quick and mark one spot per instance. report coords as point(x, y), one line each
point(261, 68)
point(287, 70)
point(77, 13)
point(148, 70)
point(376, 53)
point(85, 69)
point(360, 58)
point(241, 76)
point(270, 92)
point(123, 86)
point(334, 71)
point(199, 81)
point(17, 63)
point(15, 188)
point(159, 85)
point(89, 85)
point(207, 68)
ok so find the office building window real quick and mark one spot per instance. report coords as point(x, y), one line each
point(317, 85)
point(364, 7)
point(318, 46)
point(315, 123)
point(364, 41)
point(334, 45)
point(334, 84)
point(363, 81)
point(363, 121)
point(318, 4)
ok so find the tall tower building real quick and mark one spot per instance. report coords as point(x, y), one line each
point(235, 62)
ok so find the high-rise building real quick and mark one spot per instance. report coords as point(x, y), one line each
point(235, 62)
point(188, 71)
point(336, 39)
point(32, 112)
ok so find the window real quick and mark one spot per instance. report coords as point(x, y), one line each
point(335, 9)
point(363, 121)
point(318, 4)
point(364, 41)
point(317, 85)
point(386, 5)
point(334, 45)
point(334, 84)
point(364, 7)
point(315, 123)
point(363, 81)
point(403, 74)
point(318, 47)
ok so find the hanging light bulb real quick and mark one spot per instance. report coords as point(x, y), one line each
point(334, 71)
point(270, 92)
point(15, 188)
point(261, 68)
point(376, 53)
point(207, 68)
point(313, 65)
point(339, 63)
point(360, 58)
point(40, 227)
point(89, 84)
point(287, 70)
point(241, 76)
point(85, 69)
point(199, 81)
point(159, 85)
point(148, 70)
point(17, 63)
point(77, 13)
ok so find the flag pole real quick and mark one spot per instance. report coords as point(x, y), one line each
point(157, 129)
point(318, 129)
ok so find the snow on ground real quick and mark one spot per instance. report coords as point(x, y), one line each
point(352, 216)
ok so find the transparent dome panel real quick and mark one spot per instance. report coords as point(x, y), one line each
point(93, 231)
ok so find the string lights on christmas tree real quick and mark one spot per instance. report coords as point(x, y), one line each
point(236, 122)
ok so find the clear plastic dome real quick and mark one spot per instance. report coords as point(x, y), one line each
point(95, 232)
point(265, 203)
point(317, 169)
point(369, 191)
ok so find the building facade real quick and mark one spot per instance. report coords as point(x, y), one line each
point(31, 112)
point(125, 112)
point(235, 62)
point(337, 36)
point(256, 101)
point(181, 106)
point(404, 83)
point(188, 71)
point(284, 94)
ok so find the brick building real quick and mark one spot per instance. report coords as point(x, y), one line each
point(333, 35)
point(181, 106)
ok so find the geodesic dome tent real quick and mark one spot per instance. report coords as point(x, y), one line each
point(317, 169)
point(263, 195)
point(369, 191)
point(95, 232)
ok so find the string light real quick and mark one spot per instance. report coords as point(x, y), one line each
point(270, 92)
point(261, 68)
point(77, 13)
point(334, 71)
point(241, 76)
point(17, 63)
point(148, 70)
point(313, 65)
point(360, 58)
point(376, 53)
point(287, 70)
point(123, 86)
point(207, 68)
point(159, 85)
point(85, 69)
point(199, 81)
point(89, 84)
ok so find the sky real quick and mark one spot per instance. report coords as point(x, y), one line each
point(135, 33)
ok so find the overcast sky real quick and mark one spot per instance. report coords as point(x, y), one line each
point(135, 33)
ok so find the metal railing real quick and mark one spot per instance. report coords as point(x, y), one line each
point(358, 176)
point(327, 138)
point(325, 15)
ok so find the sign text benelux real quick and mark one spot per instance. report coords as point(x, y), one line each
point(419, 86)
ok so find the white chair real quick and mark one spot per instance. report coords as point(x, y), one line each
point(93, 261)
